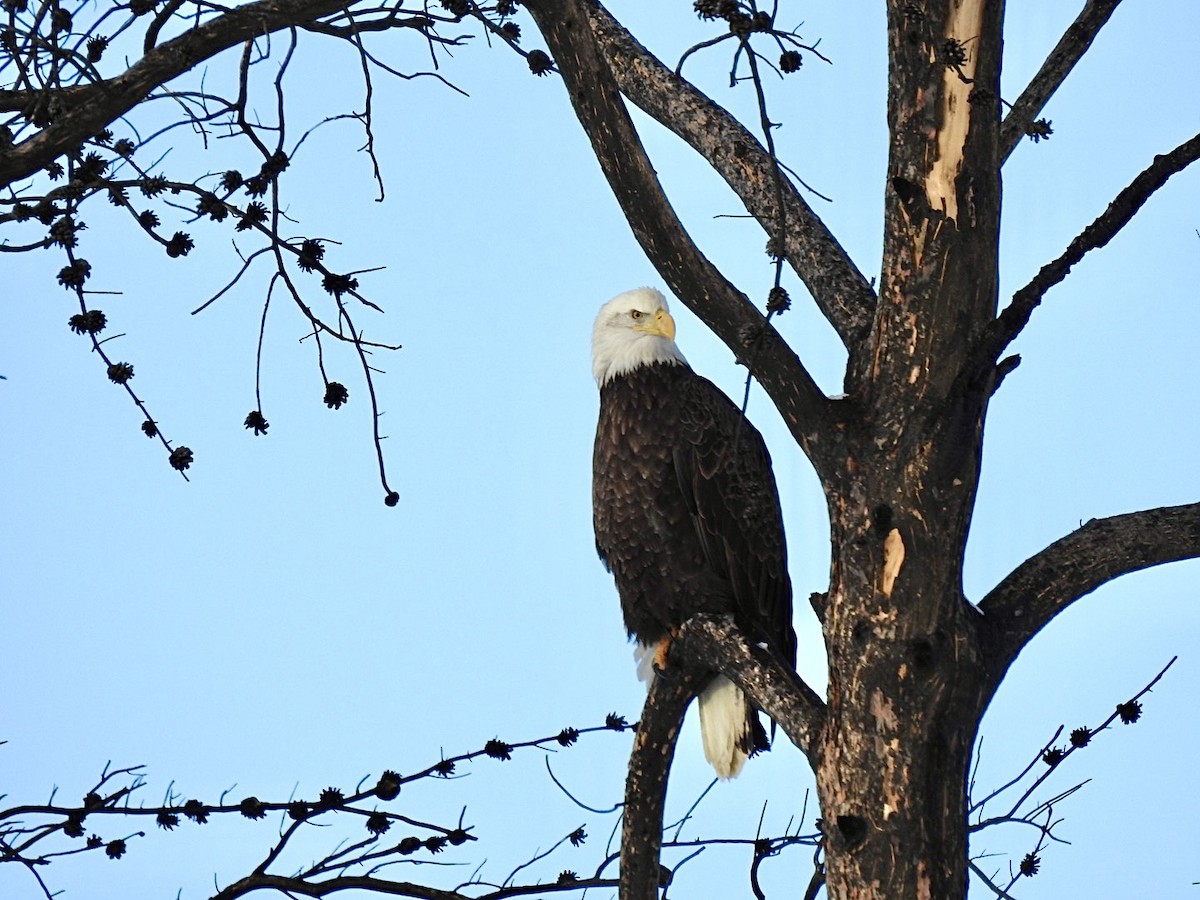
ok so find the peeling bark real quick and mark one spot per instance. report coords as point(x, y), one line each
point(893, 559)
point(963, 25)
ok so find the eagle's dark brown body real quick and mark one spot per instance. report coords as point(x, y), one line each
point(685, 509)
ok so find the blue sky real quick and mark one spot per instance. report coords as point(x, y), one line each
point(271, 624)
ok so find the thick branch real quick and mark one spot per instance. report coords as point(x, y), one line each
point(844, 296)
point(690, 275)
point(289, 885)
point(1123, 208)
point(774, 688)
point(1103, 549)
point(93, 108)
point(1062, 59)
point(17, 101)
point(649, 768)
point(704, 643)
point(299, 886)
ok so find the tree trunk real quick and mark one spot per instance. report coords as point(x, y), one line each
point(906, 681)
point(904, 699)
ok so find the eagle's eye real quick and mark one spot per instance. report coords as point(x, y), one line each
point(636, 313)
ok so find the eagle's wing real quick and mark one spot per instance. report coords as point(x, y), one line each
point(724, 473)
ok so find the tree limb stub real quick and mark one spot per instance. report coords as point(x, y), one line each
point(841, 292)
point(1058, 65)
point(1074, 566)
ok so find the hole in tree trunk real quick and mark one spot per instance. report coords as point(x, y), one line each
point(861, 632)
point(882, 518)
point(906, 190)
point(853, 830)
point(922, 655)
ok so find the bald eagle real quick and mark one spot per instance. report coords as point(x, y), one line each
point(685, 509)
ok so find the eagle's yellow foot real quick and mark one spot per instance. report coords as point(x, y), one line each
point(659, 661)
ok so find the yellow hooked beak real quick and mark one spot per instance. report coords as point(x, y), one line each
point(661, 325)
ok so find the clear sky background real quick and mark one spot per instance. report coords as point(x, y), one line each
point(271, 625)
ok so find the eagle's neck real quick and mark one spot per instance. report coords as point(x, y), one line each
point(620, 356)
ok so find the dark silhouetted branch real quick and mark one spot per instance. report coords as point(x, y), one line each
point(97, 105)
point(1103, 549)
point(1058, 65)
point(1038, 814)
point(1123, 208)
point(324, 888)
point(35, 835)
point(704, 644)
point(646, 784)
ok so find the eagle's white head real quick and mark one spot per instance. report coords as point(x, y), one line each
point(633, 329)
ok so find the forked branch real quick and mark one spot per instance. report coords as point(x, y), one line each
point(691, 276)
point(96, 106)
point(841, 292)
point(704, 643)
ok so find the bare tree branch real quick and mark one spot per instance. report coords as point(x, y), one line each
point(704, 643)
point(999, 892)
point(36, 835)
point(775, 689)
point(298, 886)
point(649, 766)
point(691, 276)
point(844, 296)
point(1058, 65)
point(1053, 757)
point(1103, 549)
point(1118, 214)
point(97, 105)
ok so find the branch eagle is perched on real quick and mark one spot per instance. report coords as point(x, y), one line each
point(685, 509)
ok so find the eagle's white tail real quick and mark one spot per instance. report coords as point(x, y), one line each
point(724, 726)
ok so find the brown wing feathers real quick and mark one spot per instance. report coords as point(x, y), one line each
point(724, 471)
point(686, 510)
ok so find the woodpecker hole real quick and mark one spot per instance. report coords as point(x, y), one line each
point(882, 518)
point(860, 633)
point(923, 655)
point(906, 191)
point(853, 830)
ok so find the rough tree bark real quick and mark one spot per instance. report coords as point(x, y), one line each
point(912, 664)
